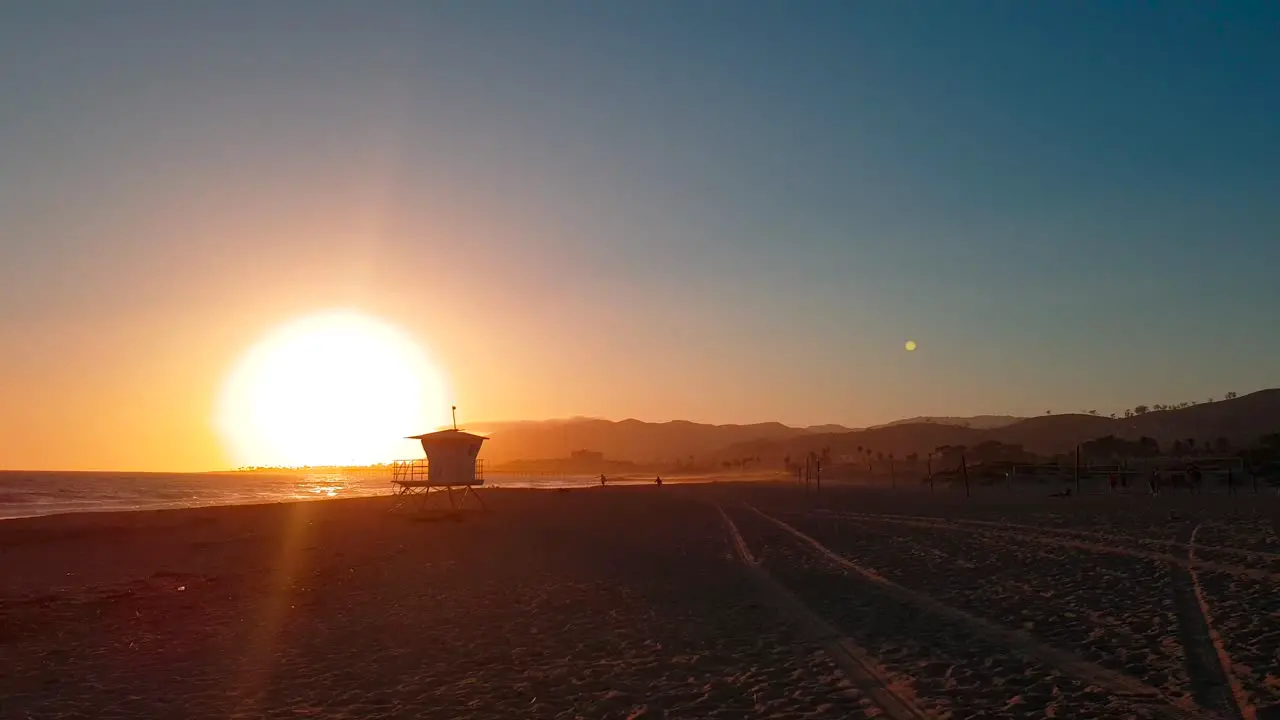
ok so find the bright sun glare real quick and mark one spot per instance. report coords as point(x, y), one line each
point(336, 388)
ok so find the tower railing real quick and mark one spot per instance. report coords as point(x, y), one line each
point(409, 470)
point(417, 470)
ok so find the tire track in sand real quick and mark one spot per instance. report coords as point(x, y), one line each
point(1184, 562)
point(1085, 535)
point(863, 672)
point(1212, 682)
point(1119, 685)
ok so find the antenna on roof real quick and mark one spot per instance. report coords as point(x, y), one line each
point(455, 417)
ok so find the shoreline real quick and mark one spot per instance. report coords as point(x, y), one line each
point(27, 495)
point(126, 512)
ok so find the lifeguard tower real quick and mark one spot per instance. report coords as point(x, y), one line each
point(452, 462)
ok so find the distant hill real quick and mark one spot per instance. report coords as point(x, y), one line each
point(627, 440)
point(828, 429)
point(977, 422)
point(1240, 420)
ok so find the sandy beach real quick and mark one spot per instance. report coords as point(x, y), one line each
point(713, 601)
point(613, 603)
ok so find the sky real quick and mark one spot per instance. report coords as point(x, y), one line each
point(714, 211)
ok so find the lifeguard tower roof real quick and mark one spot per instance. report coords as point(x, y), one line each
point(446, 436)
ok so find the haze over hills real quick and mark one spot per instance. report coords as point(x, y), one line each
point(631, 440)
point(977, 422)
point(1240, 420)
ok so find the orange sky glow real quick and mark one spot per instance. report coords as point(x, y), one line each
point(618, 213)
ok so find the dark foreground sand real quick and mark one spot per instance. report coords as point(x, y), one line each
point(645, 602)
point(591, 603)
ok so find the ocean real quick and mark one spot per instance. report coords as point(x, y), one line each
point(28, 494)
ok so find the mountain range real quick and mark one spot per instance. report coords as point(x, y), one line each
point(978, 422)
point(631, 440)
point(1240, 420)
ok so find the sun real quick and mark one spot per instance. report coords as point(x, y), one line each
point(910, 345)
point(336, 388)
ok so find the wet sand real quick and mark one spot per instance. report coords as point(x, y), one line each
point(713, 601)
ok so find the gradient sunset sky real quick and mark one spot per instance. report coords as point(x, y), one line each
point(714, 211)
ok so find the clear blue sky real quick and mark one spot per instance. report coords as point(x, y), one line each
point(726, 211)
